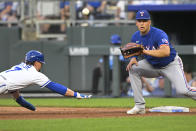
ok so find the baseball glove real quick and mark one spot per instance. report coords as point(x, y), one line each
point(131, 49)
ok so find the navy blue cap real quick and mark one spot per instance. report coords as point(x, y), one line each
point(115, 39)
point(142, 15)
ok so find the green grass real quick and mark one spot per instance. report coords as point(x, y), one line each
point(102, 102)
point(163, 123)
point(150, 123)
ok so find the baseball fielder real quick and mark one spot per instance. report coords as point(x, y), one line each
point(28, 73)
point(160, 59)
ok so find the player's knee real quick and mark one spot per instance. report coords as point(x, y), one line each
point(134, 69)
point(181, 92)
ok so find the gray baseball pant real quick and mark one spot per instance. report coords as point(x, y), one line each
point(174, 72)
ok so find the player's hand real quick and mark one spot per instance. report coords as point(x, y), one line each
point(144, 51)
point(132, 62)
point(82, 96)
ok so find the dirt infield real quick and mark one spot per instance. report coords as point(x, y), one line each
point(54, 112)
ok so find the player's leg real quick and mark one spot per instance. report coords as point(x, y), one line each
point(135, 73)
point(174, 72)
point(3, 89)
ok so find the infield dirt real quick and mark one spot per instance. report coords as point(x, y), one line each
point(61, 112)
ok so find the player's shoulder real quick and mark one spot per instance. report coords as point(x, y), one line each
point(38, 75)
point(19, 66)
point(159, 33)
point(137, 33)
point(135, 36)
point(157, 30)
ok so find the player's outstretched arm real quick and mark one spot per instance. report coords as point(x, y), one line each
point(63, 90)
point(21, 101)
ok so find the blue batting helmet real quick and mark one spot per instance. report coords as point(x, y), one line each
point(115, 39)
point(33, 56)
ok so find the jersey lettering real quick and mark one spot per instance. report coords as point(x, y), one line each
point(22, 75)
point(19, 67)
point(15, 69)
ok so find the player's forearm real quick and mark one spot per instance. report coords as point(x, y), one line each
point(56, 87)
point(157, 53)
point(21, 101)
point(60, 89)
point(63, 90)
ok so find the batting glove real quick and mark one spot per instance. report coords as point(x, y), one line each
point(82, 96)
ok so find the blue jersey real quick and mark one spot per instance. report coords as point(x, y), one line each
point(95, 4)
point(152, 41)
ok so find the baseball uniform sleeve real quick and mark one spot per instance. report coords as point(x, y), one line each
point(41, 79)
point(162, 39)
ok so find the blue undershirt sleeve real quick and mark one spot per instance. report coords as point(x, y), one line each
point(58, 88)
point(21, 101)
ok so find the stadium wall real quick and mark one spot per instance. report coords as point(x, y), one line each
point(72, 71)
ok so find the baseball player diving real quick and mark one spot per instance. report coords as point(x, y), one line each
point(160, 59)
point(28, 73)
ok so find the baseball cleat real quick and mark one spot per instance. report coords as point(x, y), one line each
point(136, 110)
